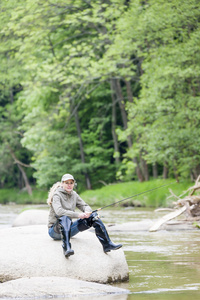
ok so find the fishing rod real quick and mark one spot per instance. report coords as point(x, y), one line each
point(98, 209)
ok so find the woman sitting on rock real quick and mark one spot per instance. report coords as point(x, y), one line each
point(63, 200)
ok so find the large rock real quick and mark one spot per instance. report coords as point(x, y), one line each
point(31, 217)
point(143, 225)
point(28, 251)
point(53, 287)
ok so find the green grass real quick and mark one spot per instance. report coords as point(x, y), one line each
point(22, 197)
point(110, 194)
point(116, 192)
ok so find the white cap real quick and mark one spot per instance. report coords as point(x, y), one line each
point(67, 177)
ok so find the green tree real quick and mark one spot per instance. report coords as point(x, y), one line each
point(102, 87)
point(62, 73)
point(14, 158)
point(164, 118)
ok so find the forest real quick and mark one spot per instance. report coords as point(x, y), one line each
point(107, 90)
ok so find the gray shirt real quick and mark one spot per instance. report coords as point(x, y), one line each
point(64, 204)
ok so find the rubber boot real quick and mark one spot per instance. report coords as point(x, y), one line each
point(103, 237)
point(65, 224)
point(100, 230)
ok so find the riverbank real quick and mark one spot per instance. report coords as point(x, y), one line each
point(153, 193)
point(158, 197)
point(162, 265)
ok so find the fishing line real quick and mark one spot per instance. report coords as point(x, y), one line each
point(134, 196)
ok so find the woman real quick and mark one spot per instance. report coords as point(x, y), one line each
point(63, 200)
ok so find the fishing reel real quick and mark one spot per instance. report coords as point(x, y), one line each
point(95, 216)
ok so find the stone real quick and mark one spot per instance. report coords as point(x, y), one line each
point(28, 251)
point(54, 287)
point(31, 217)
point(143, 225)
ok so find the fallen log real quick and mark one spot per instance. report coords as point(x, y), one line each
point(167, 217)
point(190, 205)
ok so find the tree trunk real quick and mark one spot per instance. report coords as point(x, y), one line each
point(196, 171)
point(87, 178)
point(120, 99)
point(113, 123)
point(129, 91)
point(145, 169)
point(155, 170)
point(138, 170)
point(165, 170)
point(176, 174)
point(24, 176)
point(28, 187)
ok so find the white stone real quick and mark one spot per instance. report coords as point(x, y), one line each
point(50, 287)
point(28, 251)
point(31, 217)
point(143, 225)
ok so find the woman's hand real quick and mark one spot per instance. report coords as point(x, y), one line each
point(84, 215)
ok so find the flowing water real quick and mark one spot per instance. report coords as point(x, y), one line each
point(162, 265)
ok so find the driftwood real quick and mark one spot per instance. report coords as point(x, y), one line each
point(167, 217)
point(190, 205)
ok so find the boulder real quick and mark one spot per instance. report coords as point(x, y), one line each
point(31, 217)
point(28, 251)
point(54, 287)
point(143, 225)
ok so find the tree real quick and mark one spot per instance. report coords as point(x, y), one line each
point(105, 87)
point(163, 118)
point(68, 41)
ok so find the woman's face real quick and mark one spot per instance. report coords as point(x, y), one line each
point(68, 185)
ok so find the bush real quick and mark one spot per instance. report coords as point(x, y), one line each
point(117, 192)
point(110, 194)
point(22, 197)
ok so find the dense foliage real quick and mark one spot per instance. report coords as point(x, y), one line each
point(105, 89)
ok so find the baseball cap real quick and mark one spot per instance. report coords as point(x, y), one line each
point(67, 177)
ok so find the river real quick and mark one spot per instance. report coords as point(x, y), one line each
point(162, 265)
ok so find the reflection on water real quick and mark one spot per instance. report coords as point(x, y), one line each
point(162, 265)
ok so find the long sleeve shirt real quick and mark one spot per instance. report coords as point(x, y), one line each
point(64, 204)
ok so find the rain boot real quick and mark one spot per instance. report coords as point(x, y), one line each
point(100, 230)
point(65, 225)
point(103, 237)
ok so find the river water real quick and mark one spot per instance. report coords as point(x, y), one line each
point(163, 265)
